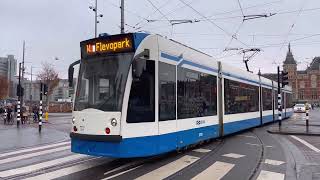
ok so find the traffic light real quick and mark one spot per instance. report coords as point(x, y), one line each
point(45, 89)
point(20, 90)
point(284, 78)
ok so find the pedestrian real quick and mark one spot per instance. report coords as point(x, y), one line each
point(9, 115)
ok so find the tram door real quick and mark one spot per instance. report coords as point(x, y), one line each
point(167, 106)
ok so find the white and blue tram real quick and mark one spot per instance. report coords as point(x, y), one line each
point(141, 95)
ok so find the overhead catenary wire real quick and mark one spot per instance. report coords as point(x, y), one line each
point(292, 25)
point(241, 8)
point(159, 11)
point(211, 22)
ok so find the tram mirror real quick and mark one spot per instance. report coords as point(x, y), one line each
point(70, 76)
point(145, 54)
point(71, 71)
point(135, 73)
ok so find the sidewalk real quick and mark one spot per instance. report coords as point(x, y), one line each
point(296, 125)
point(26, 136)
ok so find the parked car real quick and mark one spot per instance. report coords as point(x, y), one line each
point(299, 108)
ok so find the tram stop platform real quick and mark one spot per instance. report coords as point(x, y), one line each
point(296, 125)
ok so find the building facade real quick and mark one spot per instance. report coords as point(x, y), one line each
point(8, 70)
point(305, 84)
point(59, 94)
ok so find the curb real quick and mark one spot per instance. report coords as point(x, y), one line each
point(293, 133)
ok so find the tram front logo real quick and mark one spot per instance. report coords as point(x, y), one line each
point(113, 46)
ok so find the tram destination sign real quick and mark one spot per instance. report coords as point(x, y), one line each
point(107, 45)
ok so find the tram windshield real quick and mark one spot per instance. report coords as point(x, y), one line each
point(102, 81)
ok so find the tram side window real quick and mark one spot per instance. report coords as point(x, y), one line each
point(197, 94)
point(289, 103)
point(282, 100)
point(267, 99)
point(141, 105)
point(275, 99)
point(240, 97)
point(167, 91)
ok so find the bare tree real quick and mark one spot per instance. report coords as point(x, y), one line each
point(4, 87)
point(49, 76)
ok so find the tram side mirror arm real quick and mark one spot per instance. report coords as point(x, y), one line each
point(145, 54)
point(71, 71)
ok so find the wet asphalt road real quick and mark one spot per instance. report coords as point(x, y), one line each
point(252, 154)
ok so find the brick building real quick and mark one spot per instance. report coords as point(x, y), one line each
point(305, 84)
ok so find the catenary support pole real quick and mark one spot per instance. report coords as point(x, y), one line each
point(122, 16)
point(95, 18)
point(279, 99)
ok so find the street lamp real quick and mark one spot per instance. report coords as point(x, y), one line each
point(95, 10)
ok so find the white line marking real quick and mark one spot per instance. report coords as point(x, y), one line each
point(247, 136)
point(253, 144)
point(267, 175)
point(215, 171)
point(273, 162)
point(122, 167)
point(25, 156)
point(35, 167)
point(306, 144)
point(234, 155)
point(200, 150)
point(170, 168)
point(121, 173)
point(67, 171)
point(33, 149)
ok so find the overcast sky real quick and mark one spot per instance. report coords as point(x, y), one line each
point(54, 28)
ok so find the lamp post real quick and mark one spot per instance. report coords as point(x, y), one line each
point(95, 10)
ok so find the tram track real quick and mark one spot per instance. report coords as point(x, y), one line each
point(255, 170)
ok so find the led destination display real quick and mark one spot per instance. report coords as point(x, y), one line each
point(107, 45)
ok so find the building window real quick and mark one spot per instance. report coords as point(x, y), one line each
point(167, 91)
point(301, 94)
point(240, 97)
point(313, 81)
point(302, 84)
point(314, 94)
point(197, 94)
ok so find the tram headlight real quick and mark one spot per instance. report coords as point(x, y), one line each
point(73, 120)
point(114, 122)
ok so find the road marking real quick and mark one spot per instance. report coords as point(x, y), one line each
point(200, 150)
point(273, 162)
point(35, 167)
point(33, 149)
point(25, 156)
point(122, 173)
point(306, 143)
point(247, 136)
point(122, 167)
point(268, 175)
point(67, 171)
point(234, 155)
point(253, 144)
point(215, 171)
point(170, 168)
